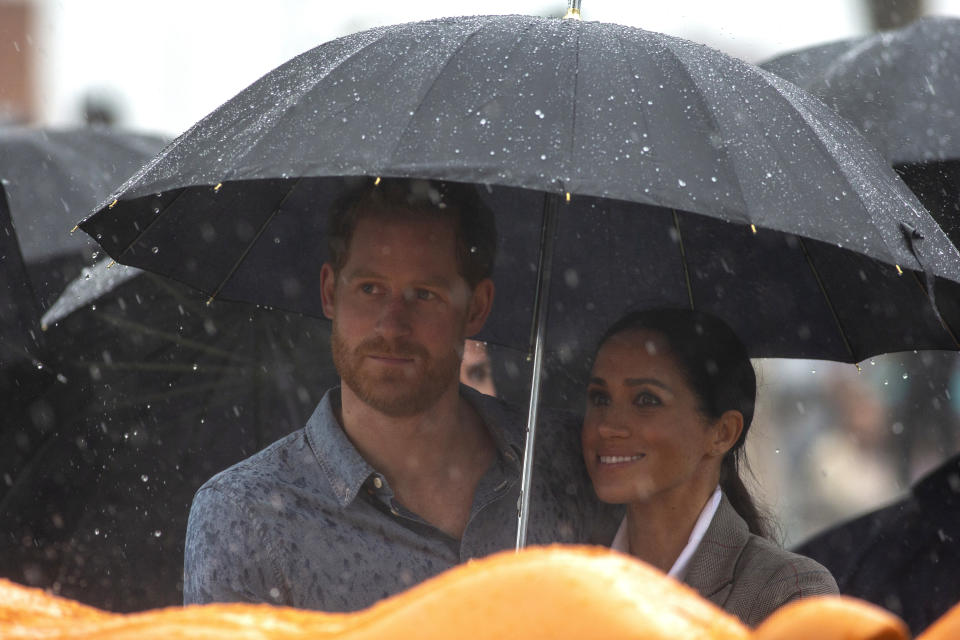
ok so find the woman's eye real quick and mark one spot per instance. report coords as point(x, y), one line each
point(646, 399)
point(598, 398)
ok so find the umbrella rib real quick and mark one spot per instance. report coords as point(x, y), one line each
point(805, 112)
point(683, 258)
point(826, 297)
point(256, 237)
point(943, 321)
point(156, 217)
point(433, 82)
point(170, 337)
point(725, 149)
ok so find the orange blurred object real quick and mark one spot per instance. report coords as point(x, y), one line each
point(831, 618)
point(946, 628)
point(555, 592)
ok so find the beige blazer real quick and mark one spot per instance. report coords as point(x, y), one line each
point(750, 576)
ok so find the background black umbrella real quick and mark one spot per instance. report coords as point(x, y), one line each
point(48, 177)
point(902, 89)
point(164, 392)
point(645, 130)
point(52, 177)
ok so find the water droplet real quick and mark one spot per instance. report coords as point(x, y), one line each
point(144, 478)
point(155, 250)
point(905, 376)
point(157, 533)
point(539, 114)
point(681, 183)
point(195, 366)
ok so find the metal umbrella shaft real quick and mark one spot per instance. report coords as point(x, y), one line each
point(538, 338)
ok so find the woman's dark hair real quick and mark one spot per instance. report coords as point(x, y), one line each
point(474, 226)
point(717, 367)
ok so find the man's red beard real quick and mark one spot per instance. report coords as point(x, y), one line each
point(399, 393)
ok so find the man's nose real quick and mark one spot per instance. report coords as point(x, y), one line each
point(395, 317)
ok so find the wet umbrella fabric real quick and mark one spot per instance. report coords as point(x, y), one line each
point(900, 88)
point(159, 392)
point(52, 177)
point(19, 313)
point(235, 206)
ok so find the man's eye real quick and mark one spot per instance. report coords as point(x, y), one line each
point(423, 294)
point(369, 287)
point(598, 398)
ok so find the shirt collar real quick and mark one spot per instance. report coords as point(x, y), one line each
point(344, 467)
point(347, 471)
point(679, 569)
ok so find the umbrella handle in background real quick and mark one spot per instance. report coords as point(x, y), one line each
point(538, 332)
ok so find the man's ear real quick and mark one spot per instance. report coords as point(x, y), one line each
point(481, 302)
point(727, 431)
point(328, 287)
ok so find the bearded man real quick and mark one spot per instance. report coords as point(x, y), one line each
point(401, 472)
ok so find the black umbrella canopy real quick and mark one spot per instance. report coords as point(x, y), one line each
point(159, 392)
point(19, 313)
point(236, 205)
point(52, 177)
point(901, 88)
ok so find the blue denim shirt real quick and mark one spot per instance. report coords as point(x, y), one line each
point(308, 523)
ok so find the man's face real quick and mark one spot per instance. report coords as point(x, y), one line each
point(400, 312)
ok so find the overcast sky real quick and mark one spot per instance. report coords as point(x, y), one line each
point(168, 64)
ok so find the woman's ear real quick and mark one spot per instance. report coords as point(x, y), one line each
point(727, 431)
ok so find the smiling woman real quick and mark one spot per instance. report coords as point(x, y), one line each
point(669, 405)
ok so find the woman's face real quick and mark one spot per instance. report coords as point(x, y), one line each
point(643, 433)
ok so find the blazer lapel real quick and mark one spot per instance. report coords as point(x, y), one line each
point(711, 568)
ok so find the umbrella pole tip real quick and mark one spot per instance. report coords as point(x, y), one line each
point(112, 262)
point(899, 270)
point(75, 227)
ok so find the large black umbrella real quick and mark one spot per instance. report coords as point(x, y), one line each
point(698, 179)
point(164, 392)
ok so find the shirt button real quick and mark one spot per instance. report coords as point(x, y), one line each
point(377, 482)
